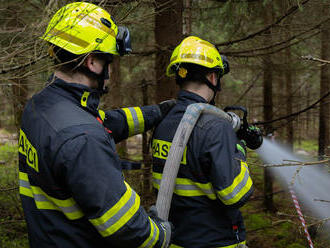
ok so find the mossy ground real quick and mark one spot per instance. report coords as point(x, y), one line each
point(280, 229)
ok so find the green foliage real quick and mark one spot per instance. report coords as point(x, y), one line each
point(307, 145)
point(12, 225)
point(295, 245)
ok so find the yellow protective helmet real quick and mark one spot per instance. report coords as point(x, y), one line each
point(196, 51)
point(81, 28)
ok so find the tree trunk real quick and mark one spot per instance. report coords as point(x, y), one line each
point(268, 107)
point(168, 34)
point(289, 96)
point(145, 152)
point(187, 18)
point(324, 125)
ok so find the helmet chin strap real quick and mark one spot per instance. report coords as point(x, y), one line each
point(100, 78)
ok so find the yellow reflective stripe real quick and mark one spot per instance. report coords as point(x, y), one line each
point(196, 56)
point(84, 98)
point(230, 246)
point(153, 237)
point(54, 33)
point(43, 201)
point(135, 120)
point(187, 187)
point(119, 214)
point(240, 148)
point(161, 148)
point(102, 114)
point(240, 186)
point(25, 191)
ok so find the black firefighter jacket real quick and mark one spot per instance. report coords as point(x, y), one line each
point(212, 183)
point(71, 182)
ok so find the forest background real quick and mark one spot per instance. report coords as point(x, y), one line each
point(279, 56)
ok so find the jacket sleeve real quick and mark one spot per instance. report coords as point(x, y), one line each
point(229, 175)
point(90, 169)
point(127, 122)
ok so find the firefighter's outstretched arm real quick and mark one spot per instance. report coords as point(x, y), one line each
point(89, 167)
point(137, 119)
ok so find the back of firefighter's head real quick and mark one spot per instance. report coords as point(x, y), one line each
point(197, 61)
point(83, 39)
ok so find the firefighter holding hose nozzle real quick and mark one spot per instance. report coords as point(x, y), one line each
point(213, 180)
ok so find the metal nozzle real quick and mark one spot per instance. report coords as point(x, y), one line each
point(235, 121)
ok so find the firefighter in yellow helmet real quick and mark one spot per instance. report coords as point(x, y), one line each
point(213, 180)
point(71, 182)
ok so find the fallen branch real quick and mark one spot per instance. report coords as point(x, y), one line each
point(321, 200)
point(319, 222)
point(8, 189)
point(310, 57)
point(296, 163)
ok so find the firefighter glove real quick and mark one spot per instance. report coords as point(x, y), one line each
point(165, 225)
point(252, 136)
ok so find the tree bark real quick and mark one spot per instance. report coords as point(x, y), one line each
point(187, 18)
point(168, 34)
point(289, 96)
point(268, 106)
point(324, 122)
point(147, 160)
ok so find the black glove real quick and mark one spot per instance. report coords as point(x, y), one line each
point(165, 225)
point(166, 106)
point(252, 136)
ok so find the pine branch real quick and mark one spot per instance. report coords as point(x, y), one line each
point(259, 32)
point(18, 67)
point(278, 43)
point(293, 114)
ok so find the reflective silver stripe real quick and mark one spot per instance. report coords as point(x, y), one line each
point(154, 234)
point(238, 188)
point(24, 184)
point(42, 198)
point(188, 187)
point(136, 120)
point(192, 187)
point(114, 219)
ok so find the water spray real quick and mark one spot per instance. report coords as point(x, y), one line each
point(309, 183)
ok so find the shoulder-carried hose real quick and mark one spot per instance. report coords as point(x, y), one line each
point(179, 143)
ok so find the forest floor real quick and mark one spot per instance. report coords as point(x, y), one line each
point(278, 229)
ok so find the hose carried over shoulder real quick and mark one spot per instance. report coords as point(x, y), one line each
point(179, 143)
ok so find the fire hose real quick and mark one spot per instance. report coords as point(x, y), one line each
point(252, 137)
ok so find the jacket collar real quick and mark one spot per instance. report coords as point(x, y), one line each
point(81, 95)
point(188, 97)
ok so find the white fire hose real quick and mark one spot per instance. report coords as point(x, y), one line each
point(179, 143)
